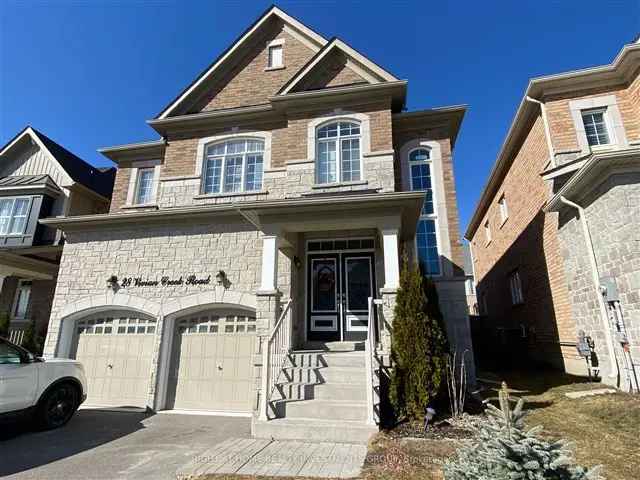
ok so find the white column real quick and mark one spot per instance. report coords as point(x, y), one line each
point(391, 258)
point(269, 279)
point(2, 277)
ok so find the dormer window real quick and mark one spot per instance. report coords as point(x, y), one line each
point(233, 166)
point(338, 151)
point(275, 54)
point(595, 127)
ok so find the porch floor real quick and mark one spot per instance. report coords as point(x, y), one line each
point(278, 458)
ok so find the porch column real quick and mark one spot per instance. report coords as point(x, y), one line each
point(391, 259)
point(267, 311)
point(391, 283)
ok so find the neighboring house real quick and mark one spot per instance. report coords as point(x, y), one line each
point(287, 181)
point(38, 179)
point(470, 282)
point(559, 220)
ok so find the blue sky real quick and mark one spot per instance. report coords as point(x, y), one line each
point(89, 73)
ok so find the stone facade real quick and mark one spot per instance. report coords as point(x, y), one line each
point(612, 212)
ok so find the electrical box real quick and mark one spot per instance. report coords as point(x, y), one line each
point(609, 289)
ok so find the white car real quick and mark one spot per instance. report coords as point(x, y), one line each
point(50, 391)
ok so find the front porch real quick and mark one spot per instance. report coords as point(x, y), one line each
point(324, 315)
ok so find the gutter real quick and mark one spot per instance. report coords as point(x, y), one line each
point(604, 317)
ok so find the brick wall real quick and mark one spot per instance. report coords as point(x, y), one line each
point(120, 187)
point(526, 241)
point(248, 83)
point(331, 72)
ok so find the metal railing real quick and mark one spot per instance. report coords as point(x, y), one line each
point(16, 336)
point(274, 356)
point(370, 359)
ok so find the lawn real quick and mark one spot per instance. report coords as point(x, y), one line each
point(604, 429)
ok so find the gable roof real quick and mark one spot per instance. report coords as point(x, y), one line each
point(98, 180)
point(316, 41)
point(367, 69)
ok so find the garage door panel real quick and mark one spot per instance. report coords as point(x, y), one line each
point(211, 363)
point(116, 350)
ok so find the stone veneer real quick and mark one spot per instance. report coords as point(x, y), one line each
point(612, 212)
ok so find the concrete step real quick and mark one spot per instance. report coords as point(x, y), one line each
point(320, 409)
point(334, 346)
point(312, 375)
point(313, 430)
point(323, 391)
point(327, 359)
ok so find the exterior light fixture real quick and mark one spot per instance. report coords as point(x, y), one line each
point(112, 282)
point(221, 278)
point(297, 262)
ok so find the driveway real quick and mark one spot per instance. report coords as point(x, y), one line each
point(114, 445)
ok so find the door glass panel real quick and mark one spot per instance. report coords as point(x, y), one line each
point(324, 285)
point(358, 281)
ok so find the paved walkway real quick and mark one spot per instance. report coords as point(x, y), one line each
point(244, 456)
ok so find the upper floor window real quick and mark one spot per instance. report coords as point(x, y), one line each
point(515, 285)
point(14, 212)
point(595, 127)
point(420, 164)
point(233, 166)
point(276, 58)
point(504, 210)
point(427, 245)
point(339, 158)
point(487, 231)
point(144, 186)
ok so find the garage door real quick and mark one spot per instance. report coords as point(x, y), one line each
point(116, 351)
point(211, 366)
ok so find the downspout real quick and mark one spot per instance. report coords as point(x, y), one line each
point(604, 315)
point(547, 132)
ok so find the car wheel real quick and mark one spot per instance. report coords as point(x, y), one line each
point(57, 406)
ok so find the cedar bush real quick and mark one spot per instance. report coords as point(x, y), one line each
point(32, 340)
point(503, 449)
point(418, 345)
point(4, 324)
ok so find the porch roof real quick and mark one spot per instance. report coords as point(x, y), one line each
point(349, 211)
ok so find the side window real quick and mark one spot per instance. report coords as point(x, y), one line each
point(21, 303)
point(9, 354)
point(515, 285)
point(595, 127)
point(144, 186)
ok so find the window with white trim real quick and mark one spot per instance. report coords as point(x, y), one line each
point(338, 150)
point(504, 210)
point(487, 231)
point(21, 302)
point(595, 127)
point(515, 285)
point(420, 167)
point(14, 212)
point(144, 186)
point(275, 56)
point(233, 166)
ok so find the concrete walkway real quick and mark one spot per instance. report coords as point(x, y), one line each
point(244, 456)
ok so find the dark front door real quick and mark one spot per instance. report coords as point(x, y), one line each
point(339, 285)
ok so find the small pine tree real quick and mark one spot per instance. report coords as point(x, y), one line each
point(503, 449)
point(418, 347)
point(32, 341)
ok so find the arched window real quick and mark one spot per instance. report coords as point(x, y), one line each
point(233, 166)
point(426, 233)
point(338, 152)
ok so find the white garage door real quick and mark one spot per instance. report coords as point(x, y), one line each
point(211, 366)
point(116, 351)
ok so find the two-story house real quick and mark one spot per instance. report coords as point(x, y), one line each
point(233, 272)
point(38, 179)
point(556, 234)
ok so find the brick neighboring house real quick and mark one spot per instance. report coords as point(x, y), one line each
point(39, 178)
point(242, 247)
point(559, 219)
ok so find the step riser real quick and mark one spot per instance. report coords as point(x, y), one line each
point(311, 409)
point(341, 392)
point(314, 433)
point(323, 360)
point(323, 375)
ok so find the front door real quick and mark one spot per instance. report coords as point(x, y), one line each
point(339, 285)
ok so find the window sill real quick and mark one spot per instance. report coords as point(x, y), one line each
point(338, 184)
point(271, 69)
point(140, 206)
point(230, 194)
